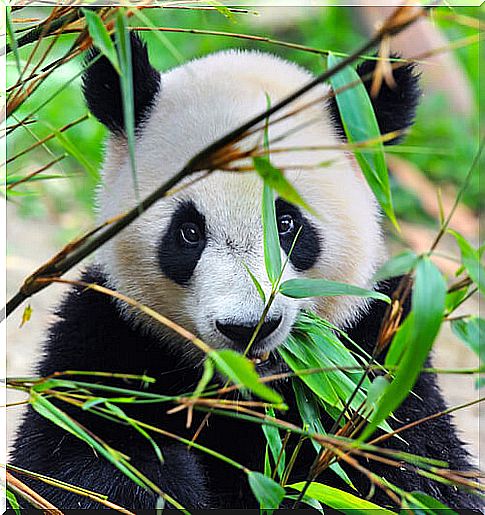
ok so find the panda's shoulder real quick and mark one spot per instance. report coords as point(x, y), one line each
point(88, 330)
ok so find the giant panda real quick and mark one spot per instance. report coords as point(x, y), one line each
point(186, 258)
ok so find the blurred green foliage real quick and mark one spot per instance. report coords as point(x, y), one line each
point(331, 28)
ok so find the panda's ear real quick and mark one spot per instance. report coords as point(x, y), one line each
point(395, 108)
point(102, 90)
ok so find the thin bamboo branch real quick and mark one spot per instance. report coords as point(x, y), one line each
point(30, 496)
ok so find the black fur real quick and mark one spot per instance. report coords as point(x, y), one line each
point(102, 90)
point(176, 260)
point(91, 335)
point(395, 108)
point(308, 245)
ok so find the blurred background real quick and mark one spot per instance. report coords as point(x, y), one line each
point(58, 203)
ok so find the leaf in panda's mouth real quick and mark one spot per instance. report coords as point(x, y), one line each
point(240, 371)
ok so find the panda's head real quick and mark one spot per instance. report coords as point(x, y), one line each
point(188, 256)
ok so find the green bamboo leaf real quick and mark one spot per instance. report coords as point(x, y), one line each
point(91, 403)
point(338, 499)
point(76, 153)
point(399, 342)
point(118, 412)
point(428, 304)
point(428, 505)
point(375, 391)
point(471, 331)
point(54, 383)
point(454, 299)
point(123, 46)
point(307, 500)
point(268, 492)
point(319, 383)
point(165, 42)
point(360, 124)
point(46, 409)
point(304, 288)
point(275, 443)
point(13, 502)
point(241, 371)
point(272, 252)
point(12, 179)
point(222, 9)
point(256, 283)
point(205, 379)
point(401, 264)
point(309, 410)
point(311, 417)
point(15, 193)
point(275, 178)
point(101, 38)
point(13, 39)
point(471, 261)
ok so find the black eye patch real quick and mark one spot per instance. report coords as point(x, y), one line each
point(183, 243)
point(308, 245)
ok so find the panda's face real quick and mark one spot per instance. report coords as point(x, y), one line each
point(189, 256)
point(210, 242)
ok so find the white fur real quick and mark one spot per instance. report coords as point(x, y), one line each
point(200, 102)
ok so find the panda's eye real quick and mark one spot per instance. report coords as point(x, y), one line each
point(285, 224)
point(190, 234)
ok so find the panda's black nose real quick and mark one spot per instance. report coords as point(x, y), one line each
point(242, 333)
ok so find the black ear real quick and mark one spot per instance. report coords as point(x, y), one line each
point(102, 91)
point(395, 108)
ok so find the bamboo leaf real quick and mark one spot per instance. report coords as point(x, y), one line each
point(311, 417)
point(401, 264)
point(126, 82)
point(428, 304)
point(304, 288)
point(275, 178)
point(12, 179)
point(307, 500)
point(338, 499)
point(117, 411)
point(272, 252)
point(471, 261)
point(399, 342)
point(376, 390)
point(101, 38)
point(13, 501)
point(454, 299)
point(46, 409)
point(241, 371)
point(425, 504)
point(76, 153)
point(471, 331)
point(360, 124)
point(275, 443)
point(268, 492)
point(26, 315)
point(12, 38)
point(205, 379)
point(256, 283)
point(319, 383)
